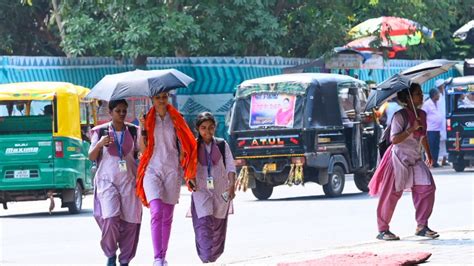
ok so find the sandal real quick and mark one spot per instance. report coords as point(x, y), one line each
point(387, 236)
point(426, 232)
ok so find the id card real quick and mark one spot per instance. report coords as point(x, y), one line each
point(122, 166)
point(210, 182)
point(225, 196)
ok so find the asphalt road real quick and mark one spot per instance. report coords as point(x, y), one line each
point(294, 219)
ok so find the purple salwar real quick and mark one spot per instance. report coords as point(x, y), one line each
point(210, 235)
point(161, 219)
point(116, 231)
point(209, 211)
point(117, 209)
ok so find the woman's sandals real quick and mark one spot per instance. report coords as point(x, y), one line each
point(426, 232)
point(387, 236)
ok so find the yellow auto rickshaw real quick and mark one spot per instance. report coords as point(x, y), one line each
point(44, 141)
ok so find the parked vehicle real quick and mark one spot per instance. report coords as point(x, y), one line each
point(460, 121)
point(297, 128)
point(44, 143)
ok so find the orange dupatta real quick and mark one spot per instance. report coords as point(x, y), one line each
point(188, 146)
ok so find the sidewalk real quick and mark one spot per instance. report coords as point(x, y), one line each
point(453, 247)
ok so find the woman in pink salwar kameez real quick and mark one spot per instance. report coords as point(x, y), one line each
point(215, 181)
point(402, 168)
point(117, 209)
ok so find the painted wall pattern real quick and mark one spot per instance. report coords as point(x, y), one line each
point(216, 77)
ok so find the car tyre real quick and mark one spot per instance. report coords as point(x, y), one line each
point(459, 166)
point(335, 184)
point(262, 191)
point(76, 206)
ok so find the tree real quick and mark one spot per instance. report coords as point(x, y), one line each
point(238, 28)
point(25, 29)
point(121, 29)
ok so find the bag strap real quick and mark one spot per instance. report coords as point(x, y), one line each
point(221, 145)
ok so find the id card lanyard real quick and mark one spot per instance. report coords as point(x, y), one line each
point(210, 179)
point(119, 144)
point(122, 163)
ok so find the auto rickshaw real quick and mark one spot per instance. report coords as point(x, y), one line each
point(297, 128)
point(460, 121)
point(44, 142)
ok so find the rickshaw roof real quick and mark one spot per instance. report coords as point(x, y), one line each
point(40, 90)
point(307, 78)
point(460, 81)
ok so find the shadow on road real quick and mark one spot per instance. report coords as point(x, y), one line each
point(352, 196)
point(57, 214)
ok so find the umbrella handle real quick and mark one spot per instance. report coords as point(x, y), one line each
point(412, 104)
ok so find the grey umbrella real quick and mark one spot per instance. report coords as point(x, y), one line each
point(138, 83)
point(428, 70)
point(417, 74)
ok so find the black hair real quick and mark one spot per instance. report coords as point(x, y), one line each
point(113, 104)
point(403, 96)
point(433, 93)
point(201, 118)
point(286, 99)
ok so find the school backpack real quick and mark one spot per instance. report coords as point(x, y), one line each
point(131, 128)
point(384, 141)
point(221, 145)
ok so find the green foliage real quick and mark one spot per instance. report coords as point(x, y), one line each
point(25, 29)
point(291, 28)
point(127, 29)
point(238, 27)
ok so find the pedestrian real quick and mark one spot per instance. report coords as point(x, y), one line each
point(435, 120)
point(390, 110)
point(117, 209)
point(212, 201)
point(443, 153)
point(402, 168)
point(169, 148)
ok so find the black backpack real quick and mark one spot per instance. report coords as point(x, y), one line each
point(384, 141)
point(221, 145)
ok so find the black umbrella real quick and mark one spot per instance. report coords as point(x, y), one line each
point(466, 32)
point(386, 90)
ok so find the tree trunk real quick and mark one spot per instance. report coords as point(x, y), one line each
point(59, 22)
point(140, 62)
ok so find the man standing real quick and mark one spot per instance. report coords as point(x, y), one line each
point(434, 123)
point(443, 154)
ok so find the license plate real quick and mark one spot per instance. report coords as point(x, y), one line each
point(271, 167)
point(21, 174)
point(471, 141)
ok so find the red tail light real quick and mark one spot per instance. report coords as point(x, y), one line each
point(59, 149)
point(448, 125)
point(239, 162)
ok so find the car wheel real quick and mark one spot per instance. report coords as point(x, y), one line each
point(459, 166)
point(262, 191)
point(76, 206)
point(335, 184)
point(362, 180)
